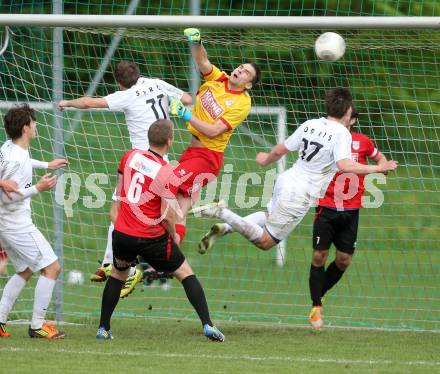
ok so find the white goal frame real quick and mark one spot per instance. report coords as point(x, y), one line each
point(58, 21)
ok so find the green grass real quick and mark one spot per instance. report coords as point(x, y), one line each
point(164, 346)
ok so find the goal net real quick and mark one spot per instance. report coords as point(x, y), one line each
point(394, 280)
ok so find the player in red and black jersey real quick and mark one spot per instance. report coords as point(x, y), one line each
point(336, 222)
point(145, 226)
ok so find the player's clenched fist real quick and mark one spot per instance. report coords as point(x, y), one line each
point(179, 110)
point(193, 35)
point(262, 158)
point(390, 165)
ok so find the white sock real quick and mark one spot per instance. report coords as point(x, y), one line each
point(108, 256)
point(10, 294)
point(132, 271)
point(259, 218)
point(43, 295)
point(249, 230)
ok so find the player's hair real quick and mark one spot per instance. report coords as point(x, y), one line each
point(354, 113)
point(16, 118)
point(257, 77)
point(159, 132)
point(337, 102)
point(127, 73)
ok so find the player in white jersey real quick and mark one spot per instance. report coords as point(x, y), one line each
point(27, 248)
point(324, 146)
point(143, 101)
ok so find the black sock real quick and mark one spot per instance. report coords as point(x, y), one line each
point(332, 276)
point(196, 297)
point(316, 283)
point(110, 298)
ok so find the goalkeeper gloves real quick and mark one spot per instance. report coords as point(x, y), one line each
point(179, 110)
point(193, 36)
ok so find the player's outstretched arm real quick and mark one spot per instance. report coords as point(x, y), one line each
point(52, 165)
point(84, 102)
point(58, 163)
point(349, 166)
point(264, 158)
point(198, 51)
point(207, 129)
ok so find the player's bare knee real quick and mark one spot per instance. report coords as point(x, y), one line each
point(26, 275)
point(183, 271)
point(52, 271)
point(343, 260)
point(120, 273)
point(319, 257)
point(266, 242)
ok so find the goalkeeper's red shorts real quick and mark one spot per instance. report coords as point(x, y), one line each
point(204, 165)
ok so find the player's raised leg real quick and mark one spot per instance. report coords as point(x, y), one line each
point(222, 229)
point(249, 230)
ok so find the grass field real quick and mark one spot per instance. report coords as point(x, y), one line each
point(164, 346)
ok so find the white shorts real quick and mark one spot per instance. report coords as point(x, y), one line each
point(28, 250)
point(286, 208)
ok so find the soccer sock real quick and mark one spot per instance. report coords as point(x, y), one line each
point(132, 271)
point(196, 296)
point(43, 294)
point(108, 256)
point(332, 276)
point(316, 283)
point(249, 230)
point(259, 218)
point(110, 298)
point(10, 294)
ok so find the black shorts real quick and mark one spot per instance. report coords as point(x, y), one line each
point(161, 252)
point(337, 227)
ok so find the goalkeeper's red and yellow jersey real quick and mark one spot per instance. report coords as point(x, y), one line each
point(215, 101)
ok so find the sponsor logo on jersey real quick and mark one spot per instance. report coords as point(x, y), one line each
point(355, 144)
point(144, 165)
point(355, 156)
point(210, 105)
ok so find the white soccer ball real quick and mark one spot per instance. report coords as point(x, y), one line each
point(330, 46)
point(75, 277)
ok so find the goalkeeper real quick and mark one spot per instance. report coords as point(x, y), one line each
point(222, 104)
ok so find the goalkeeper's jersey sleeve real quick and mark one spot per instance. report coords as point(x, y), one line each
point(215, 101)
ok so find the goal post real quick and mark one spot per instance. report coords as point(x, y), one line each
point(391, 66)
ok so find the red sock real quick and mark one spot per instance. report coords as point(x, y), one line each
point(181, 230)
